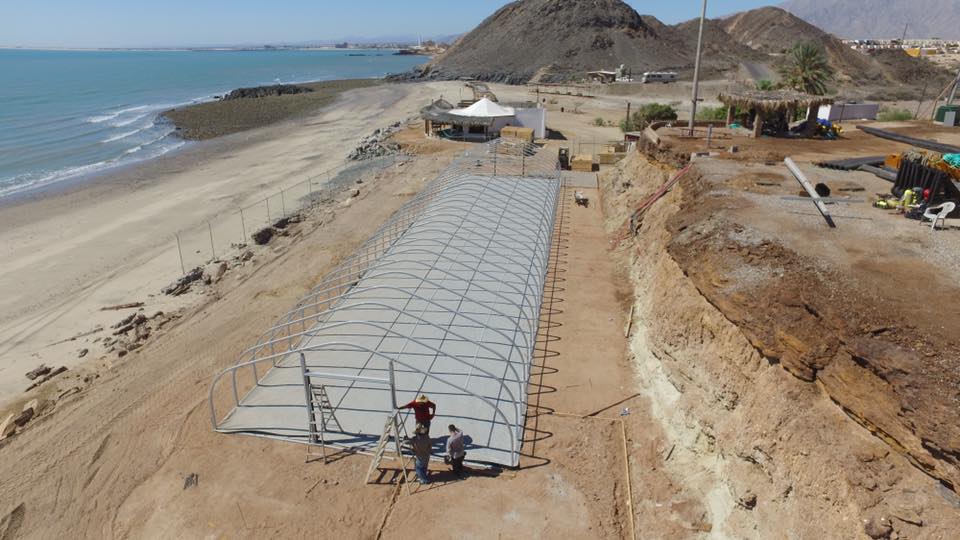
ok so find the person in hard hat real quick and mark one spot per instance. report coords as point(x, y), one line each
point(422, 446)
point(423, 410)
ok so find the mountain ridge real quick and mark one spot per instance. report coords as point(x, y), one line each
point(848, 18)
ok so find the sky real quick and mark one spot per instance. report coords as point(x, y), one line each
point(142, 23)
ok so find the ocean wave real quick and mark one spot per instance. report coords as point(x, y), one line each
point(99, 119)
point(123, 135)
point(128, 121)
point(145, 151)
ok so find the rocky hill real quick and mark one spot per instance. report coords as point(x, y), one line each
point(773, 31)
point(881, 19)
point(560, 39)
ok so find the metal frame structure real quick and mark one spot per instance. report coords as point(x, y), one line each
point(444, 297)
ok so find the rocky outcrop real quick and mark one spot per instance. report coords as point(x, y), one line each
point(762, 383)
point(264, 91)
point(377, 144)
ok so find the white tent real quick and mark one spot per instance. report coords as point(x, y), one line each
point(485, 109)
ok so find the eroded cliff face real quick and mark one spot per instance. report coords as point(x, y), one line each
point(780, 362)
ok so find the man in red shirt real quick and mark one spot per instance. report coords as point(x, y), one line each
point(423, 410)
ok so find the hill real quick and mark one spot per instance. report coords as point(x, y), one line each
point(881, 19)
point(892, 74)
point(561, 40)
point(558, 40)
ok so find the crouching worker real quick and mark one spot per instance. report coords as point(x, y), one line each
point(455, 450)
point(422, 446)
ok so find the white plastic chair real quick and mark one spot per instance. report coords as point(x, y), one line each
point(939, 213)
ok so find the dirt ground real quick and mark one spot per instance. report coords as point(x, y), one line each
point(118, 457)
point(665, 399)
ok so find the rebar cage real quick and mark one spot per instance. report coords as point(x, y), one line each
point(443, 299)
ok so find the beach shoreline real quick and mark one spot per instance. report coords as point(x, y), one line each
point(72, 250)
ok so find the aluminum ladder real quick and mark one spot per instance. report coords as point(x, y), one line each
point(320, 402)
point(394, 428)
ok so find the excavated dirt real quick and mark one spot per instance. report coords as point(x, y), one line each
point(778, 374)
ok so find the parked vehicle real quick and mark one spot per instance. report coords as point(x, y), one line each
point(659, 76)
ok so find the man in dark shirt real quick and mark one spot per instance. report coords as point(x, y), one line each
point(422, 446)
point(423, 410)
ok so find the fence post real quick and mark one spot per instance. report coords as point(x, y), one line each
point(267, 202)
point(243, 227)
point(283, 204)
point(213, 251)
point(183, 269)
point(310, 191)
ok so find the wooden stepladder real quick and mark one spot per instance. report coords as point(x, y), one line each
point(393, 429)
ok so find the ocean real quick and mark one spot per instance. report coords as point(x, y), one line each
point(65, 114)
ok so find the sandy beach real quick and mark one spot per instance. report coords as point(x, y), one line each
point(110, 241)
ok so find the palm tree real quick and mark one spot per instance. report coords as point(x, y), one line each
point(766, 84)
point(806, 70)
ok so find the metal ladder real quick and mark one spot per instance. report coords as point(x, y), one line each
point(394, 428)
point(320, 401)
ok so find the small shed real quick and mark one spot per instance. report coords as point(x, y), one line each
point(766, 105)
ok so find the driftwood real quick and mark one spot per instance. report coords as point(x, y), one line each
point(47, 377)
point(118, 307)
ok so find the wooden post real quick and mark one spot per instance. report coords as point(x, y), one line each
point(757, 124)
point(730, 111)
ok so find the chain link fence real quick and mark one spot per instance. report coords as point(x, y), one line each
point(227, 235)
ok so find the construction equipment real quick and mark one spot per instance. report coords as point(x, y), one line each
point(394, 428)
point(563, 156)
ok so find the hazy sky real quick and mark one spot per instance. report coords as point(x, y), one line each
point(130, 23)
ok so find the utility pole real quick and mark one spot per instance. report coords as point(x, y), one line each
point(696, 68)
point(953, 93)
point(627, 124)
point(923, 94)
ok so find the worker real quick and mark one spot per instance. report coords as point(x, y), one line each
point(455, 450)
point(422, 445)
point(423, 410)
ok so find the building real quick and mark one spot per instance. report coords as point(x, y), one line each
point(482, 120)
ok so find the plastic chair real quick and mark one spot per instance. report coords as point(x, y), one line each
point(938, 213)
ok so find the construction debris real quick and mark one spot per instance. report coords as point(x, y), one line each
point(47, 377)
point(912, 141)
point(817, 200)
point(851, 164)
point(118, 307)
point(38, 372)
point(376, 144)
point(182, 285)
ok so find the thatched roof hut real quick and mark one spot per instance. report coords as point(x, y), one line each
point(766, 103)
point(770, 101)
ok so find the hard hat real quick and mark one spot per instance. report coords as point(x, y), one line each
point(423, 398)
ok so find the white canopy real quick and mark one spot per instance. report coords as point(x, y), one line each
point(484, 109)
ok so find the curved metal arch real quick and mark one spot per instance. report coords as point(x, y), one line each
point(476, 186)
point(410, 242)
point(446, 208)
point(407, 293)
point(435, 350)
point(540, 254)
point(510, 427)
point(498, 244)
point(389, 288)
point(445, 218)
point(420, 263)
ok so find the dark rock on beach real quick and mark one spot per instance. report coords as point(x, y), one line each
point(264, 91)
